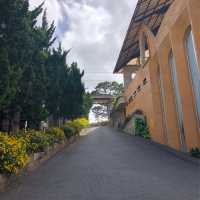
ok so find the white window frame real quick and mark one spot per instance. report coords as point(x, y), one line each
point(179, 111)
point(193, 66)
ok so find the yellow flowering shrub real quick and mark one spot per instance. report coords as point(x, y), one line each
point(57, 133)
point(78, 124)
point(14, 149)
point(37, 141)
point(82, 122)
point(13, 155)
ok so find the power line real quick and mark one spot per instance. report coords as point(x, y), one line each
point(98, 79)
point(95, 80)
point(98, 72)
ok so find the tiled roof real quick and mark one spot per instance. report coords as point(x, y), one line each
point(149, 12)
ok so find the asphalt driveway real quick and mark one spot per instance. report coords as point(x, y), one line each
point(106, 165)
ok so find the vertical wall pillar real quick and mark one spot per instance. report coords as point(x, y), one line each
point(127, 73)
point(142, 49)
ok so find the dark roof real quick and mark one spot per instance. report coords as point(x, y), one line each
point(149, 12)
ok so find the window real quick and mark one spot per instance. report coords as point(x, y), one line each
point(194, 69)
point(177, 100)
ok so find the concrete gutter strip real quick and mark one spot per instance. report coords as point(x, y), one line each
point(178, 154)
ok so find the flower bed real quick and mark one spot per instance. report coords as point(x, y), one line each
point(28, 150)
point(35, 161)
point(13, 154)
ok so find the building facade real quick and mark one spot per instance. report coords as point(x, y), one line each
point(160, 61)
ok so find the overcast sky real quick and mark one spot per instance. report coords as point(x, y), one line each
point(94, 30)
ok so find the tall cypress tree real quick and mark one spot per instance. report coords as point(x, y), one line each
point(35, 81)
point(13, 34)
point(34, 93)
point(75, 89)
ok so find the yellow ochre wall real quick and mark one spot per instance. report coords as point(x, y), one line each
point(162, 120)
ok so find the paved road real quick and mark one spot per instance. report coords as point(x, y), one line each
point(110, 166)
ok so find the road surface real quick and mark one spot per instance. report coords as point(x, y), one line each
point(108, 165)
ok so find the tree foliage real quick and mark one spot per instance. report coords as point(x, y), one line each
point(87, 104)
point(112, 88)
point(100, 112)
point(35, 81)
point(106, 88)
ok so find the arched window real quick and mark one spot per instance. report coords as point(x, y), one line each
point(177, 99)
point(194, 69)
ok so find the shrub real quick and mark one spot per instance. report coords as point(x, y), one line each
point(74, 126)
point(57, 133)
point(78, 124)
point(14, 149)
point(141, 128)
point(195, 152)
point(82, 122)
point(69, 131)
point(13, 155)
point(38, 141)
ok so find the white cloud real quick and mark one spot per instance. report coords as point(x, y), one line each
point(94, 30)
point(54, 9)
point(88, 25)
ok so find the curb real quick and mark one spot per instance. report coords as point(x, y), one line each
point(36, 161)
point(178, 154)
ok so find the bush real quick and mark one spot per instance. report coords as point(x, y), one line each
point(38, 141)
point(14, 149)
point(13, 154)
point(81, 122)
point(141, 128)
point(69, 131)
point(195, 152)
point(57, 133)
point(77, 125)
point(74, 126)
